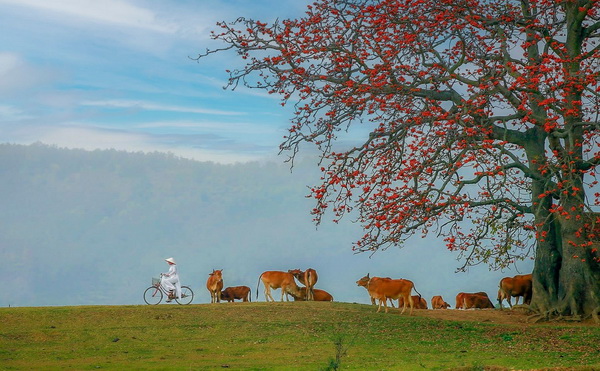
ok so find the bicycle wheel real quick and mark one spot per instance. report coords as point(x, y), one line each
point(153, 295)
point(187, 295)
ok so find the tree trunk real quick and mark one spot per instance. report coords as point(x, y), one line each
point(579, 287)
point(546, 272)
point(566, 278)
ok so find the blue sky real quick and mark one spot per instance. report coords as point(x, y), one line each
point(118, 74)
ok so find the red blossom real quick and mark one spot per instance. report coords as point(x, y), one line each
point(478, 112)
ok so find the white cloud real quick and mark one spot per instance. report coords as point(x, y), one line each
point(91, 139)
point(8, 63)
point(214, 126)
point(113, 12)
point(10, 113)
point(18, 75)
point(156, 107)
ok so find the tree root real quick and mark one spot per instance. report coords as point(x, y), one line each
point(522, 308)
point(553, 316)
point(595, 314)
point(535, 318)
point(564, 310)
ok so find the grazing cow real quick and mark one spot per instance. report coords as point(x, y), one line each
point(214, 284)
point(519, 285)
point(478, 302)
point(419, 302)
point(460, 298)
point(386, 288)
point(308, 278)
point(237, 292)
point(276, 280)
point(438, 303)
point(320, 295)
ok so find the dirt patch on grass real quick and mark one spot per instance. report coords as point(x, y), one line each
point(516, 316)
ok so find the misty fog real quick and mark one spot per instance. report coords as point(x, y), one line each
point(93, 227)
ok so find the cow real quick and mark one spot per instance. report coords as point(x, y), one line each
point(276, 280)
point(308, 278)
point(387, 288)
point(519, 285)
point(214, 284)
point(460, 298)
point(419, 302)
point(319, 295)
point(374, 302)
point(438, 303)
point(479, 300)
point(237, 292)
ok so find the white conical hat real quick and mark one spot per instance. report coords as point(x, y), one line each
point(170, 260)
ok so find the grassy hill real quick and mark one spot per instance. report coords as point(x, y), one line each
point(294, 335)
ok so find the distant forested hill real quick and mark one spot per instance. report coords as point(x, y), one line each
point(84, 227)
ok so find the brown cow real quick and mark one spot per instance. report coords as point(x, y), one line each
point(276, 280)
point(320, 295)
point(373, 301)
point(438, 303)
point(214, 284)
point(236, 292)
point(420, 303)
point(308, 278)
point(386, 288)
point(460, 298)
point(478, 302)
point(519, 285)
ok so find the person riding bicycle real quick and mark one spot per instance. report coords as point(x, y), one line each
point(170, 281)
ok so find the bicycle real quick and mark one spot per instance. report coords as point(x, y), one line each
point(154, 294)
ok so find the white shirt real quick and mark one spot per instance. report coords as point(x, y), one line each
point(172, 274)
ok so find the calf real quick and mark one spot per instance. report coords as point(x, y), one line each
point(460, 298)
point(478, 302)
point(438, 303)
point(214, 284)
point(238, 292)
point(319, 295)
point(308, 278)
point(419, 302)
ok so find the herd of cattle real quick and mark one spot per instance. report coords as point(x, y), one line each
point(379, 288)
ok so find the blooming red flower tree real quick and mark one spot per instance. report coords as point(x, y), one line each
point(482, 122)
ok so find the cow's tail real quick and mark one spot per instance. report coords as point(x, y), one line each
point(250, 294)
point(258, 285)
point(414, 288)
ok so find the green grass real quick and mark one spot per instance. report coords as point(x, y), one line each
point(295, 335)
